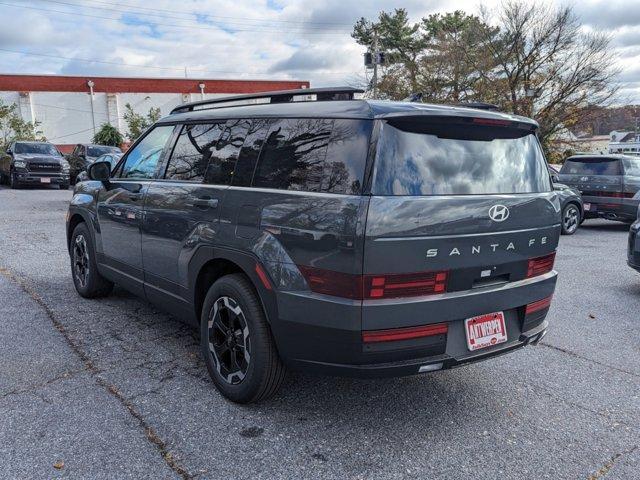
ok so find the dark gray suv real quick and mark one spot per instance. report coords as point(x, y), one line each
point(316, 231)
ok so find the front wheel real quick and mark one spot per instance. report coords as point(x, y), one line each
point(570, 219)
point(13, 181)
point(86, 278)
point(236, 342)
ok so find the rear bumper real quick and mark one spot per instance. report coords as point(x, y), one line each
point(322, 334)
point(624, 209)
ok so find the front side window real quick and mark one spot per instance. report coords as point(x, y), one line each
point(591, 166)
point(96, 151)
point(143, 159)
point(423, 158)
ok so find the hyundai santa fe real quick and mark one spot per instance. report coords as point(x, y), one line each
point(317, 231)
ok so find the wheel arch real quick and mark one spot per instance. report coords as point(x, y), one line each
point(209, 264)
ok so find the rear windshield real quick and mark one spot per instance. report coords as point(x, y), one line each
point(97, 151)
point(458, 160)
point(591, 166)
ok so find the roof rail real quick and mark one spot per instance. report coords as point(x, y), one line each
point(280, 96)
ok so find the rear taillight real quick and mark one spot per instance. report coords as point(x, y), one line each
point(540, 265)
point(539, 305)
point(404, 285)
point(359, 287)
point(395, 334)
point(337, 284)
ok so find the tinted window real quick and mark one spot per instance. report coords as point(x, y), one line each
point(458, 160)
point(207, 152)
point(35, 148)
point(591, 166)
point(248, 157)
point(142, 160)
point(314, 155)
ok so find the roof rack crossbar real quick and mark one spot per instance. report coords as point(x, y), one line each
point(280, 96)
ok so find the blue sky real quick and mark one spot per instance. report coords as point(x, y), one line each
point(282, 39)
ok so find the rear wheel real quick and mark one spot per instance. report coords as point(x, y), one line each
point(236, 342)
point(570, 219)
point(86, 278)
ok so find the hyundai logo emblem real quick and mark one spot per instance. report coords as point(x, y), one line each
point(499, 213)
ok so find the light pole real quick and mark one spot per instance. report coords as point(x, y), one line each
point(90, 84)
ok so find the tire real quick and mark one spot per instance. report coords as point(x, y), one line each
point(233, 327)
point(570, 219)
point(84, 269)
point(13, 181)
point(64, 186)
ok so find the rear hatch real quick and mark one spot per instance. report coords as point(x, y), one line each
point(459, 207)
point(598, 177)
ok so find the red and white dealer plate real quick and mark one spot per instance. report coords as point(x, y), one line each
point(485, 330)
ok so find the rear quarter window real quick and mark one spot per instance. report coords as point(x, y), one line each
point(314, 155)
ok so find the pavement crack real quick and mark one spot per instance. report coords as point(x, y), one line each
point(574, 354)
point(150, 433)
point(607, 466)
point(37, 386)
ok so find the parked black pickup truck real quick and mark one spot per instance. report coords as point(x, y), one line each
point(33, 163)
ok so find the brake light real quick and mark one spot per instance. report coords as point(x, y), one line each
point(359, 287)
point(491, 121)
point(538, 305)
point(407, 333)
point(404, 285)
point(541, 265)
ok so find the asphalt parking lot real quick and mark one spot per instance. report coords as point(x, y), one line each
point(113, 388)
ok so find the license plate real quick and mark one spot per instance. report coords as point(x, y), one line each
point(485, 330)
point(45, 180)
point(587, 207)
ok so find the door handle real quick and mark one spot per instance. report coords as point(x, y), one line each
point(205, 203)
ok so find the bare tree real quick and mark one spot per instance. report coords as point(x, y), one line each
point(545, 66)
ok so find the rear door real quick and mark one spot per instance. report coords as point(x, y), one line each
point(183, 207)
point(593, 176)
point(456, 206)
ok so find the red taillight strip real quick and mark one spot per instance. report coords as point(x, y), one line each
point(406, 333)
point(538, 305)
point(540, 265)
point(374, 286)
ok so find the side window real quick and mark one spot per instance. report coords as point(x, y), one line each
point(258, 128)
point(192, 152)
point(207, 152)
point(293, 155)
point(142, 160)
point(314, 155)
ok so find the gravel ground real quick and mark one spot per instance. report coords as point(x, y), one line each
point(113, 388)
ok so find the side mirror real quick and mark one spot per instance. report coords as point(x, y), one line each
point(8, 150)
point(100, 171)
point(555, 178)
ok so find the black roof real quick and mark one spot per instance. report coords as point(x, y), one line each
point(324, 107)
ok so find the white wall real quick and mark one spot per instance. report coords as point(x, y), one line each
point(66, 116)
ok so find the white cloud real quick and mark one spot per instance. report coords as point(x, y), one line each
point(234, 38)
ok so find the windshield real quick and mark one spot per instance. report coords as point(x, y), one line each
point(458, 160)
point(591, 166)
point(35, 148)
point(97, 151)
point(632, 166)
